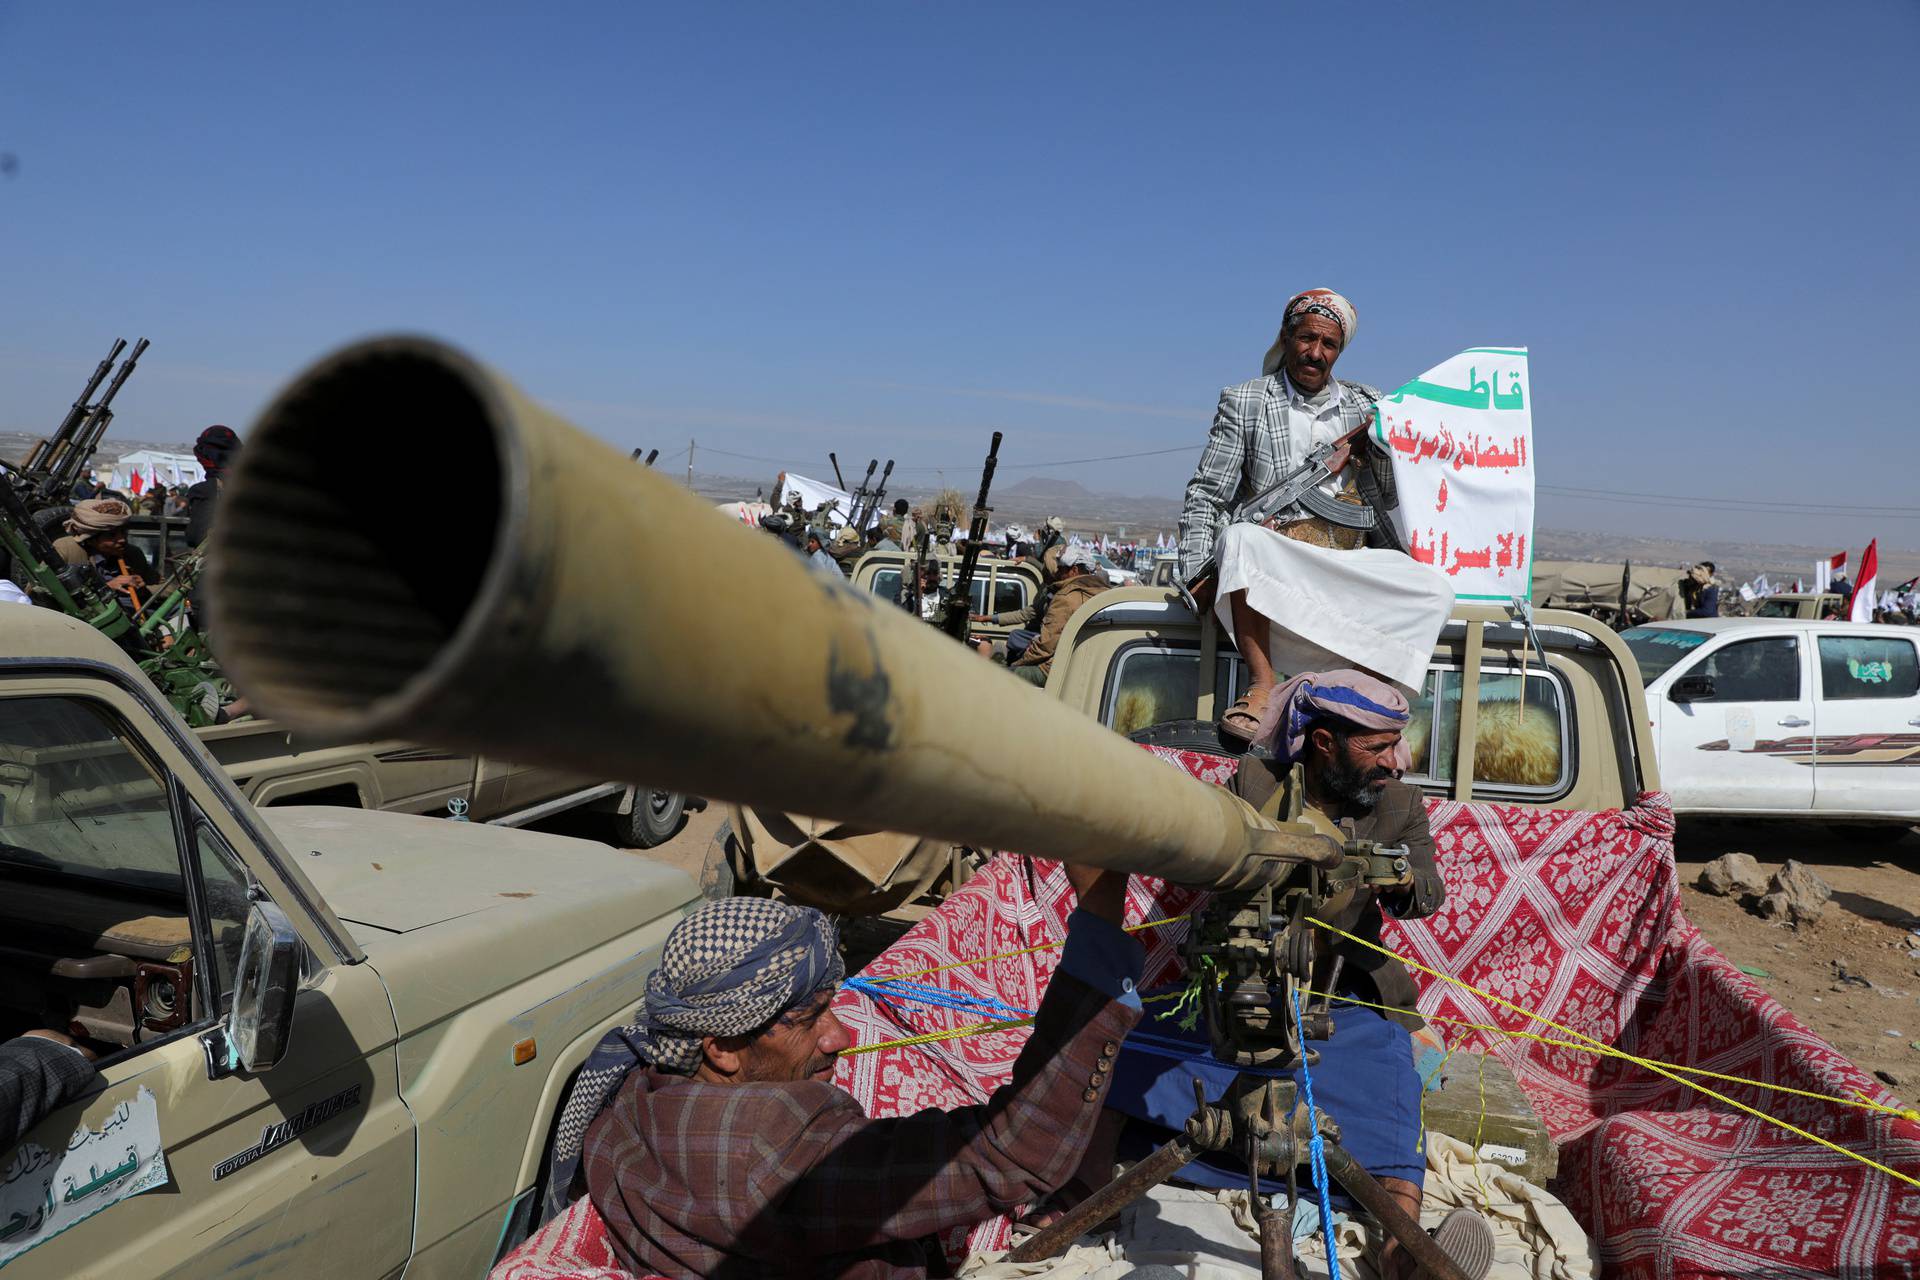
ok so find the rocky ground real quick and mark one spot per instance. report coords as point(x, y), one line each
point(1853, 974)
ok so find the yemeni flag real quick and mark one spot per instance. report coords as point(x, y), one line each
point(1865, 591)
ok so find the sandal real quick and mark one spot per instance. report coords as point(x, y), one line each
point(1242, 720)
point(1465, 1237)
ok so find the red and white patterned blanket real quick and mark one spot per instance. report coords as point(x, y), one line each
point(1575, 915)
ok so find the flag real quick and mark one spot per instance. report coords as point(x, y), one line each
point(1837, 565)
point(1865, 591)
point(1748, 594)
point(135, 482)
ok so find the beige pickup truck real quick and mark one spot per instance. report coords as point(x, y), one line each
point(273, 767)
point(332, 1042)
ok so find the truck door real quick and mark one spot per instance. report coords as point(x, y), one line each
point(123, 904)
point(1869, 716)
point(1745, 740)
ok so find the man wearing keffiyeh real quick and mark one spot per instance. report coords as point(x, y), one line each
point(716, 1144)
point(1301, 592)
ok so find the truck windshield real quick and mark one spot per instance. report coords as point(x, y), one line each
point(1657, 648)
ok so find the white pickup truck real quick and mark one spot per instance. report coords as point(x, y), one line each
point(331, 1042)
point(1785, 716)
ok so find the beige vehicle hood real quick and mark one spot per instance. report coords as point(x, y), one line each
point(397, 872)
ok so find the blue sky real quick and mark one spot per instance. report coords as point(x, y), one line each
point(891, 228)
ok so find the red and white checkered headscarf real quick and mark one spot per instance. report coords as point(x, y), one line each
point(1313, 302)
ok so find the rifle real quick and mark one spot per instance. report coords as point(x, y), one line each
point(69, 456)
point(77, 414)
point(1299, 487)
point(959, 611)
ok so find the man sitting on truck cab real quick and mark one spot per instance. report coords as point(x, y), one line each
point(1078, 580)
point(717, 1145)
point(1344, 729)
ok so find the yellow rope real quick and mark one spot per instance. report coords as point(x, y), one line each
point(1656, 1068)
point(1608, 1051)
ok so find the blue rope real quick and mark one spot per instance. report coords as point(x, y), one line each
point(897, 989)
point(1316, 1146)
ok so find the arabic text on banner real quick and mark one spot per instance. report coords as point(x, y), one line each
point(43, 1192)
point(1461, 439)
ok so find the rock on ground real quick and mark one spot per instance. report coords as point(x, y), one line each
point(1795, 895)
point(1733, 874)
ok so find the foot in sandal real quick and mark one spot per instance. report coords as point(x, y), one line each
point(1242, 720)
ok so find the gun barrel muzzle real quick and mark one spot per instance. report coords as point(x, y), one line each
point(551, 603)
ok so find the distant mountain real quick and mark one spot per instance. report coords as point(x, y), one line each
point(1048, 489)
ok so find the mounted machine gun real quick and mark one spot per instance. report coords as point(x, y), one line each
point(959, 609)
point(172, 654)
point(859, 714)
point(55, 464)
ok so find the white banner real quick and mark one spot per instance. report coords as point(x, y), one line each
point(1461, 438)
point(814, 492)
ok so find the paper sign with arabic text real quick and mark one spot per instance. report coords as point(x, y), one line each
point(43, 1192)
point(1461, 439)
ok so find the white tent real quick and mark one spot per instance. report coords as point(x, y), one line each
point(153, 467)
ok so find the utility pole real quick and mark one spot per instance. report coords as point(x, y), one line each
point(689, 462)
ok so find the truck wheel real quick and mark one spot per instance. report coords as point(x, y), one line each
point(1188, 735)
point(656, 818)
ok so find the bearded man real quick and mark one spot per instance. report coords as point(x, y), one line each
point(1345, 729)
point(717, 1145)
point(1302, 593)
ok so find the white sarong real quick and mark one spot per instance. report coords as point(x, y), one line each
point(1378, 610)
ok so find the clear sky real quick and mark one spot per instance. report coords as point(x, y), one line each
point(889, 228)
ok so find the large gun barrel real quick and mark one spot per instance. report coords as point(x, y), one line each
point(782, 690)
point(48, 450)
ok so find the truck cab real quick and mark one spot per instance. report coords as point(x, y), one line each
point(1548, 718)
point(1801, 604)
point(1791, 717)
point(999, 585)
point(329, 1041)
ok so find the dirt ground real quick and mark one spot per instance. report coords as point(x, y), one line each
point(1854, 974)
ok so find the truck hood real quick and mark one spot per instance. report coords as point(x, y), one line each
point(398, 872)
point(451, 914)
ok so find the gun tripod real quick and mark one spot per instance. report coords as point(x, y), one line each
point(1262, 1120)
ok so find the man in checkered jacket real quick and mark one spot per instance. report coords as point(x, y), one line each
point(1342, 597)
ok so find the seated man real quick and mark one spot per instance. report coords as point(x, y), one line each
point(817, 558)
point(1077, 581)
point(96, 534)
point(1304, 593)
point(1022, 620)
point(717, 1144)
point(930, 596)
point(40, 1072)
point(1344, 728)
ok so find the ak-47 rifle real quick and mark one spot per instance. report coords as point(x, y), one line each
point(1299, 487)
point(959, 611)
point(52, 470)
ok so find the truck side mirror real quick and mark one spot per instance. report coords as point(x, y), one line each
point(267, 977)
point(1693, 688)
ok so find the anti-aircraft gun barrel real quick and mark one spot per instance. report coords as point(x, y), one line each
point(848, 708)
point(65, 467)
point(45, 451)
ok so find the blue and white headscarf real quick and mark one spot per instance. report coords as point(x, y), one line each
point(731, 967)
point(1361, 700)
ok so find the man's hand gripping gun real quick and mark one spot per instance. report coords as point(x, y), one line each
point(1299, 487)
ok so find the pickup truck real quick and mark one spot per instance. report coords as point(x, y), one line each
point(1540, 718)
point(1801, 604)
point(331, 1042)
point(999, 585)
point(1545, 718)
point(1791, 717)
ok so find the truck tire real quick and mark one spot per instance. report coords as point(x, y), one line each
point(1188, 735)
point(656, 818)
